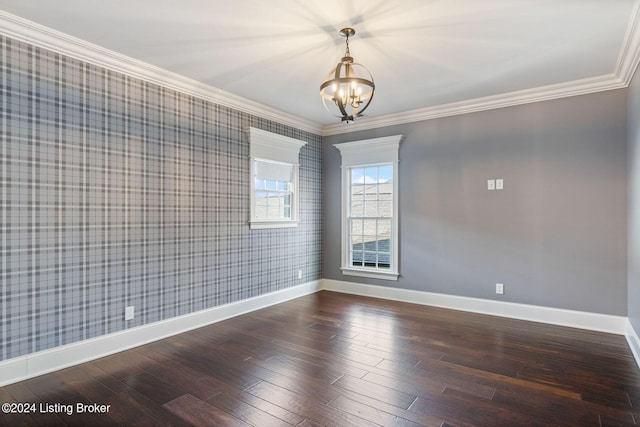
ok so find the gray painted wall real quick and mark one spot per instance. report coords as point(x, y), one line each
point(555, 236)
point(117, 192)
point(634, 203)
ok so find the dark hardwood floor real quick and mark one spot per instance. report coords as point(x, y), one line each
point(339, 360)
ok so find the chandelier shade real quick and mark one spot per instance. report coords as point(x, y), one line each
point(348, 89)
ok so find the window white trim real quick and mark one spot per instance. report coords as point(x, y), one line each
point(369, 152)
point(272, 147)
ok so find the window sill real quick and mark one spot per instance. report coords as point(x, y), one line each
point(371, 274)
point(257, 225)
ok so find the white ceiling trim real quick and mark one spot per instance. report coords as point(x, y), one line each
point(628, 60)
point(39, 35)
point(630, 52)
point(48, 38)
point(545, 93)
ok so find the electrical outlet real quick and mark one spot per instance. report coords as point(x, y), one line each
point(129, 312)
point(299, 274)
point(491, 184)
point(499, 288)
point(499, 184)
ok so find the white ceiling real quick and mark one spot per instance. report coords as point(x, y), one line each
point(421, 53)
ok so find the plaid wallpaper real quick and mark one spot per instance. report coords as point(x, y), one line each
point(118, 192)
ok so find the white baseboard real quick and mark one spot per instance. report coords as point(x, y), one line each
point(554, 316)
point(634, 341)
point(34, 364)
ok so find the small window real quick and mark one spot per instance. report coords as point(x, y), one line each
point(274, 190)
point(274, 179)
point(370, 207)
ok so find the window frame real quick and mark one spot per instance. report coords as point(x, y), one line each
point(270, 147)
point(360, 154)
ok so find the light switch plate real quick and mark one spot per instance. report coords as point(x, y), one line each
point(499, 184)
point(491, 184)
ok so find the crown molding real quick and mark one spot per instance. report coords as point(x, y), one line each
point(38, 35)
point(527, 96)
point(630, 52)
point(627, 63)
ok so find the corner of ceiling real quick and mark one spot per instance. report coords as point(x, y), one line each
point(39, 35)
point(629, 56)
point(627, 63)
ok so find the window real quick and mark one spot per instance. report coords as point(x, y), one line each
point(274, 179)
point(370, 216)
point(274, 187)
point(370, 207)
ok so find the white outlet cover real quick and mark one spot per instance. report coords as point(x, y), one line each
point(499, 184)
point(499, 288)
point(491, 184)
point(129, 312)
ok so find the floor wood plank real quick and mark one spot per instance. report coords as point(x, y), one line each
point(331, 359)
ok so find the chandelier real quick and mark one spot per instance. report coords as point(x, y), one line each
point(348, 87)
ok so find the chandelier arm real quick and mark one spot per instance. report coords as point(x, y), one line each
point(336, 75)
point(360, 112)
point(337, 99)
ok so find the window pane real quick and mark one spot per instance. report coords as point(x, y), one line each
point(274, 209)
point(371, 192)
point(370, 259)
point(370, 227)
point(370, 243)
point(385, 173)
point(357, 228)
point(357, 175)
point(371, 208)
point(357, 190)
point(356, 258)
point(371, 175)
point(357, 243)
point(384, 260)
point(385, 191)
point(261, 205)
point(357, 206)
point(385, 208)
point(384, 228)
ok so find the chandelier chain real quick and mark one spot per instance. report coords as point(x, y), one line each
point(347, 53)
